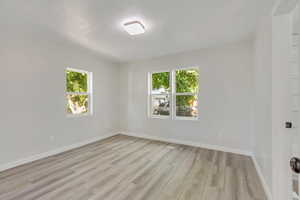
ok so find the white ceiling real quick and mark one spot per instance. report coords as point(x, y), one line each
point(172, 25)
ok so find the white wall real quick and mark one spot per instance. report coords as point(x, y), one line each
point(32, 85)
point(225, 90)
point(261, 122)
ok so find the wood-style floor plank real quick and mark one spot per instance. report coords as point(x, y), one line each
point(129, 168)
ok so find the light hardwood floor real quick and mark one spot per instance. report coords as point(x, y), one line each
point(128, 168)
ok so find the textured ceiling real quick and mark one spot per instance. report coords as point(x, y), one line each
point(172, 25)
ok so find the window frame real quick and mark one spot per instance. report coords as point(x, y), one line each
point(184, 93)
point(89, 92)
point(150, 95)
point(172, 94)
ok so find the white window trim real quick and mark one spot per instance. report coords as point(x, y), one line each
point(172, 95)
point(89, 92)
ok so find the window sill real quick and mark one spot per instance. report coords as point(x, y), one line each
point(176, 118)
point(159, 117)
point(187, 118)
point(79, 115)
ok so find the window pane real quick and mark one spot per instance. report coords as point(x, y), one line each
point(187, 80)
point(160, 105)
point(186, 106)
point(76, 81)
point(160, 82)
point(77, 104)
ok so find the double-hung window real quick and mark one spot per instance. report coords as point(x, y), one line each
point(78, 92)
point(160, 94)
point(186, 93)
point(174, 94)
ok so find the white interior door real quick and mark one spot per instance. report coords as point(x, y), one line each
point(285, 99)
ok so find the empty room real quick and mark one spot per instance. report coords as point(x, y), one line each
point(150, 100)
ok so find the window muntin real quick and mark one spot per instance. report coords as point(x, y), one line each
point(174, 94)
point(78, 92)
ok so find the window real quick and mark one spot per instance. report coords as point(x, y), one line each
point(78, 92)
point(187, 86)
point(160, 94)
point(174, 94)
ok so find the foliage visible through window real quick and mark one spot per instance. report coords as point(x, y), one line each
point(184, 98)
point(186, 105)
point(78, 96)
point(187, 81)
point(161, 81)
point(77, 81)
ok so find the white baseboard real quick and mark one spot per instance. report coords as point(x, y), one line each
point(53, 152)
point(190, 143)
point(262, 178)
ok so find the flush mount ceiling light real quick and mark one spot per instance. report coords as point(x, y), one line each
point(134, 27)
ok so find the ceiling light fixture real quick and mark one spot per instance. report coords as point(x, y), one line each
point(134, 27)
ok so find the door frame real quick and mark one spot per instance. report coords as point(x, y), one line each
point(282, 30)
